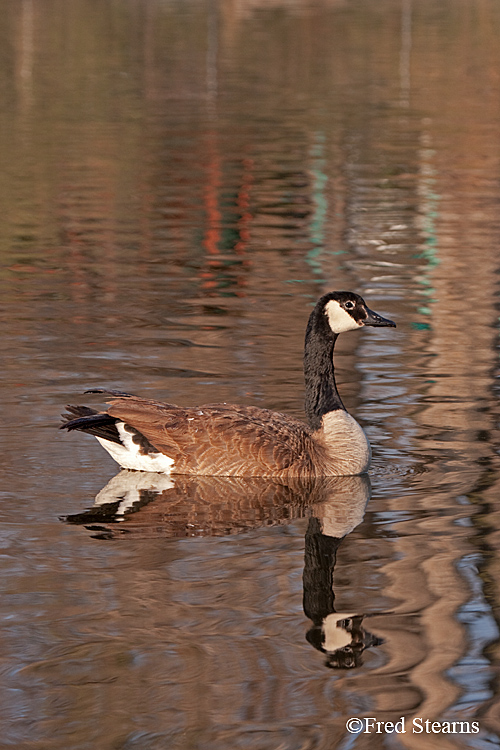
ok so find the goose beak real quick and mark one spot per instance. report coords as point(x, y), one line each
point(374, 319)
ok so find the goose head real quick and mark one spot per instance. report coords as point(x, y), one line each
point(334, 313)
point(347, 311)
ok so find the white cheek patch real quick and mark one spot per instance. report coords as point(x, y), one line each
point(335, 635)
point(339, 319)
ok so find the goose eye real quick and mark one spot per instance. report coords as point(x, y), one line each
point(349, 305)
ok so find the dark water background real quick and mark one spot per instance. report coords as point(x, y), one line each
point(179, 181)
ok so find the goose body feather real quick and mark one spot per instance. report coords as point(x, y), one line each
point(230, 440)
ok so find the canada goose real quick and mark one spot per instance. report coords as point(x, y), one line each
point(228, 440)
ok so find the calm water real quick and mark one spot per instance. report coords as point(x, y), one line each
point(179, 182)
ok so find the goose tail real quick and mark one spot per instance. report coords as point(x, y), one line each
point(93, 422)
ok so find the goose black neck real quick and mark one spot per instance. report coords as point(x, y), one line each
point(321, 391)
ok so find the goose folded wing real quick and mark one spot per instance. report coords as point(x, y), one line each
point(219, 439)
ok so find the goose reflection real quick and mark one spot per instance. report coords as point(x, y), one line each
point(142, 505)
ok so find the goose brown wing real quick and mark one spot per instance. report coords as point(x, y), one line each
point(220, 439)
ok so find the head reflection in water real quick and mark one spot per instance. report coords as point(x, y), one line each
point(342, 639)
point(337, 634)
